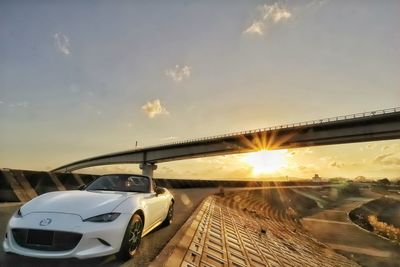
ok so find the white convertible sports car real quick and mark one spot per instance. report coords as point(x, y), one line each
point(108, 216)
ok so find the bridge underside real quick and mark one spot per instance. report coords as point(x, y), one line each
point(363, 129)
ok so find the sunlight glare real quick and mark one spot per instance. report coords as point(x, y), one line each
point(266, 161)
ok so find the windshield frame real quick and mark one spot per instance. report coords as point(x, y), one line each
point(126, 176)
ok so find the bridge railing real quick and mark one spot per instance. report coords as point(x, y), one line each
point(288, 126)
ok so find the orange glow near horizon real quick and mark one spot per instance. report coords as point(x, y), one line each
point(266, 161)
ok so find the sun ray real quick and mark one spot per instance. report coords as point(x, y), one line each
point(266, 161)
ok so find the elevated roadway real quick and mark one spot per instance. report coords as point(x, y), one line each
point(361, 127)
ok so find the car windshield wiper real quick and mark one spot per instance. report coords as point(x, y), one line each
point(102, 189)
point(133, 191)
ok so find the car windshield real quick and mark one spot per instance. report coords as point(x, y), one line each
point(124, 183)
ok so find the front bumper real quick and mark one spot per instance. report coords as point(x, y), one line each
point(90, 245)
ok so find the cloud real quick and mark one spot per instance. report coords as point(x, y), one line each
point(166, 172)
point(387, 159)
point(304, 169)
point(316, 3)
point(269, 14)
point(336, 164)
point(178, 74)
point(256, 28)
point(382, 157)
point(391, 161)
point(62, 43)
point(391, 147)
point(276, 13)
point(154, 108)
point(22, 104)
point(370, 146)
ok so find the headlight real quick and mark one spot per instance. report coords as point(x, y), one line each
point(108, 217)
point(18, 214)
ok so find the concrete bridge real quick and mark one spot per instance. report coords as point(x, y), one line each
point(361, 127)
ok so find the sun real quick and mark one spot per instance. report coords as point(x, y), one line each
point(266, 161)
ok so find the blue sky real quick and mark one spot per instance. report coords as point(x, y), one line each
point(82, 78)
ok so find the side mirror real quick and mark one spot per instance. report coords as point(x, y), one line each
point(159, 190)
point(81, 187)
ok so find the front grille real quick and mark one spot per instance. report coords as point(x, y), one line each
point(46, 240)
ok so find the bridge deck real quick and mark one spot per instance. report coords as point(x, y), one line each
point(362, 127)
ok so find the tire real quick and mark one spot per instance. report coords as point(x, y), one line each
point(170, 214)
point(133, 236)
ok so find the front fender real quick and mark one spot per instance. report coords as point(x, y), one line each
point(130, 205)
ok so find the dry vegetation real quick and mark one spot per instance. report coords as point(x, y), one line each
point(384, 229)
point(380, 216)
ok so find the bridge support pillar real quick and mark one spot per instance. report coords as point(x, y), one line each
point(148, 169)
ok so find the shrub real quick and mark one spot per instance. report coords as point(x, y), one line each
point(384, 229)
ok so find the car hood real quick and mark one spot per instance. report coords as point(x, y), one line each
point(83, 203)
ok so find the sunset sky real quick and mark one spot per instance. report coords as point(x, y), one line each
point(84, 78)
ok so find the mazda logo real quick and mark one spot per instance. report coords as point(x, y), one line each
point(45, 222)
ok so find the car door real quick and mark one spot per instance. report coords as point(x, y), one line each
point(163, 205)
point(155, 204)
point(151, 204)
point(161, 202)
